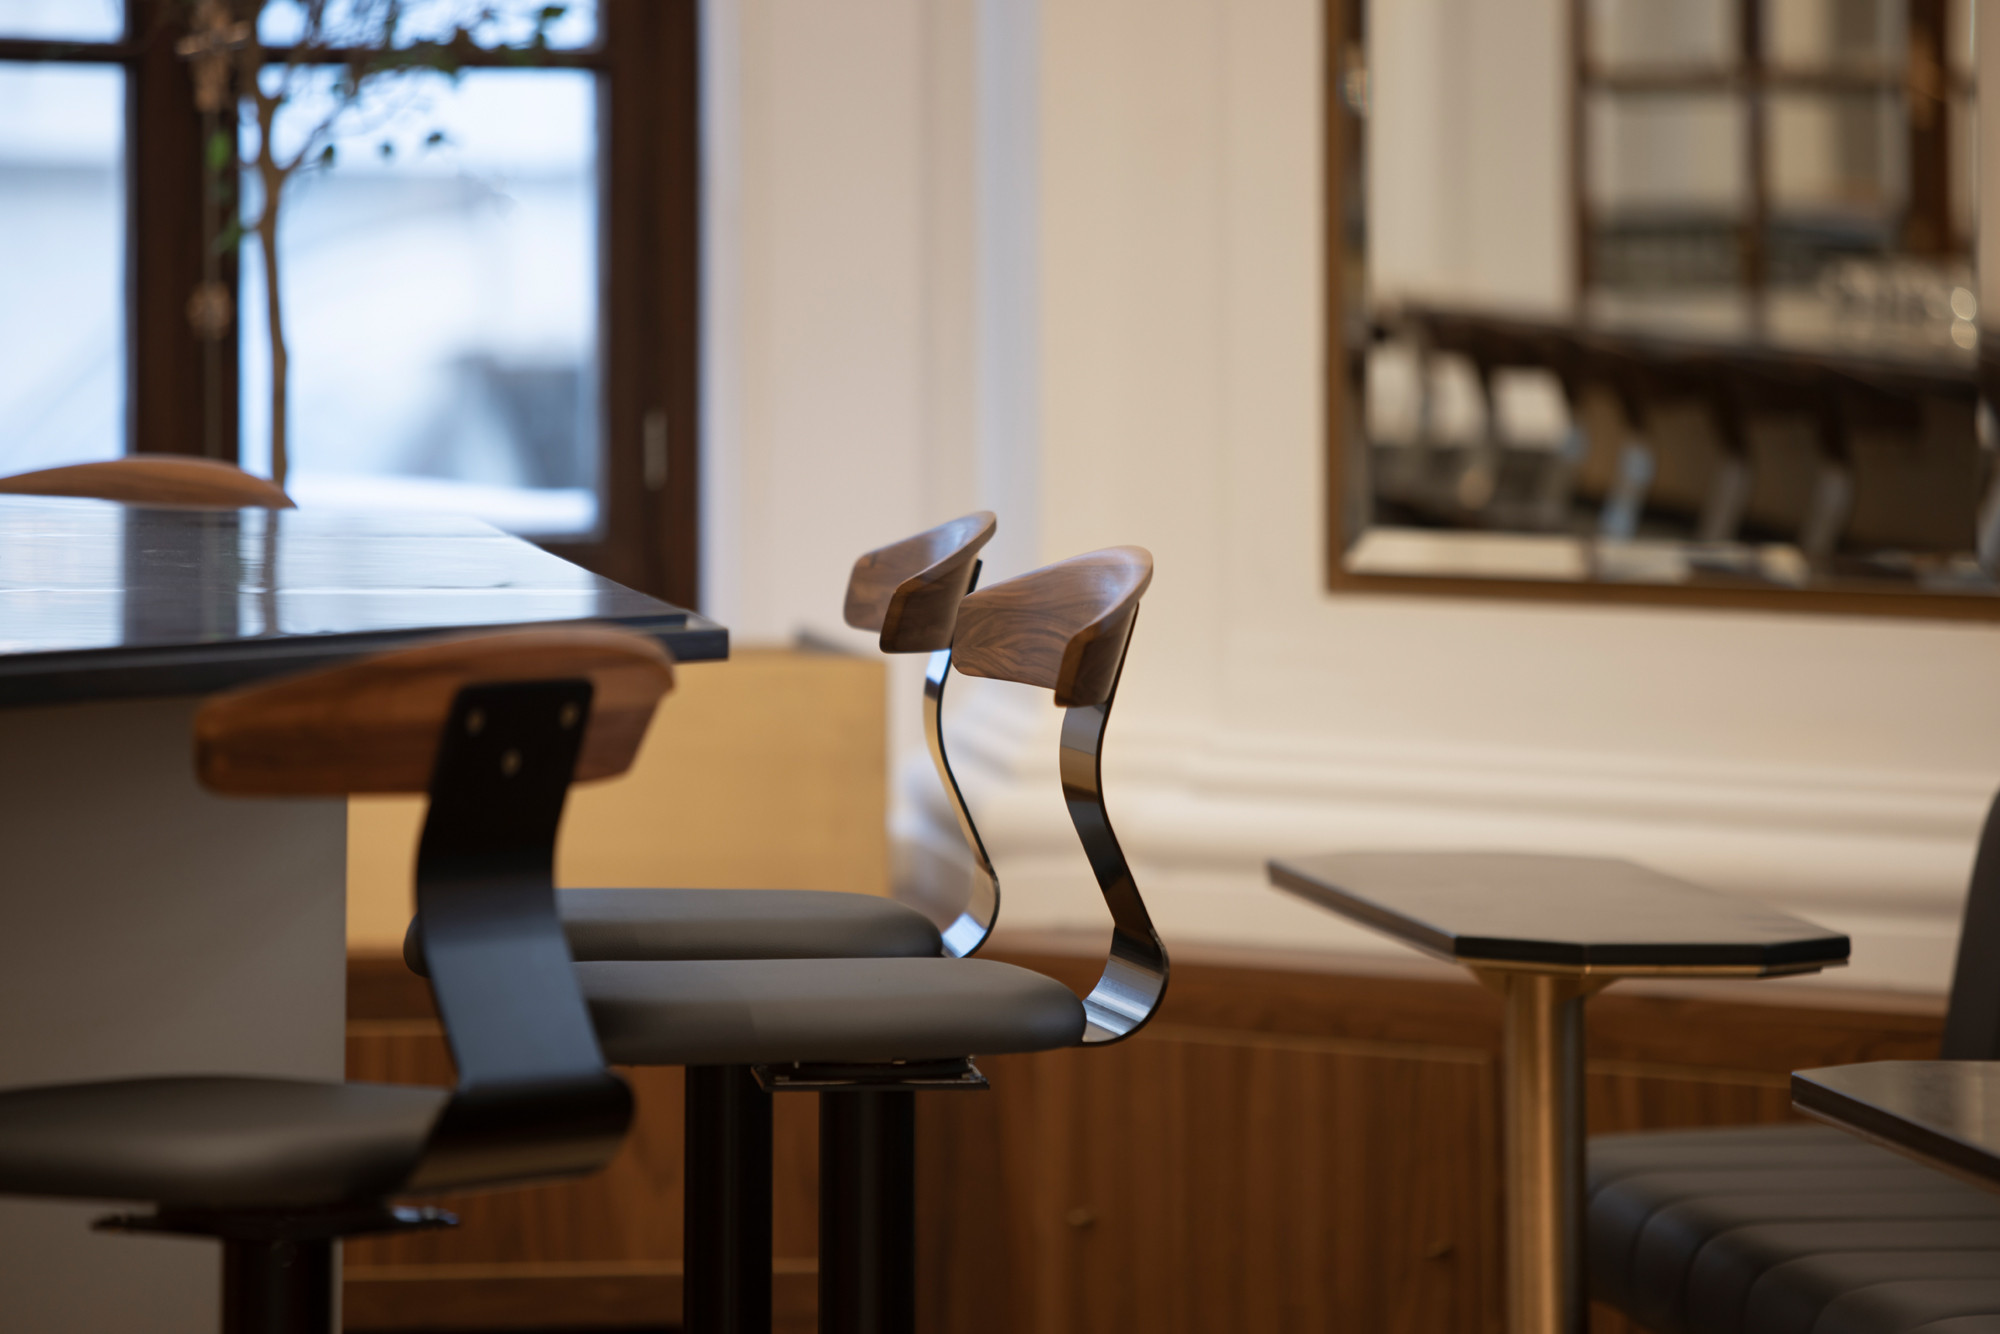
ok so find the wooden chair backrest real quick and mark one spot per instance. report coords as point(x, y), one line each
point(910, 590)
point(373, 725)
point(1062, 627)
point(153, 479)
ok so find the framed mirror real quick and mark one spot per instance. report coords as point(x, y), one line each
point(1654, 302)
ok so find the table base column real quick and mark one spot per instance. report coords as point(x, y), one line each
point(1542, 1117)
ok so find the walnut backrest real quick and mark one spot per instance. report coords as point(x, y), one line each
point(373, 725)
point(153, 479)
point(910, 590)
point(1062, 627)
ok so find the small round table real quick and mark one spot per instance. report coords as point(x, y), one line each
point(1547, 933)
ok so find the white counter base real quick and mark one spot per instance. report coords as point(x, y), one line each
point(149, 928)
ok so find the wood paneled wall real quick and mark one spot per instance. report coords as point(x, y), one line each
point(770, 769)
point(1283, 1150)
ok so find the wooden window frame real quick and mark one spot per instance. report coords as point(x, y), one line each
point(1339, 130)
point(1751, 77)
point(182, 391)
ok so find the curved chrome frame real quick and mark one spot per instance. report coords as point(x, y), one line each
point(1135, 973)
point(1134, 981)
point(974, 923)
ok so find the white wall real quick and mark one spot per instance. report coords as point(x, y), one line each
point(1138, 359)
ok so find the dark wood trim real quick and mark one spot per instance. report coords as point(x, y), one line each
point(88, 53)
point(1333, 258)
point(181, 389)
point(574, 1295)
point(1805, 602)
point(1579, 152)
point(1927, 226)
point(472, 58)
point(1685, 79)
point(1754, 238)
point(650, 302)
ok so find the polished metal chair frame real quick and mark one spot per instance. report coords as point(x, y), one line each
point(974, 922)
point(867, 1210)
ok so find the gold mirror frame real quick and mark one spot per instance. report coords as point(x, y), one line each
point(1338, 131)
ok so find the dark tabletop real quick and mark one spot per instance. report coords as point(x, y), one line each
point(1503, 908)
point(99, 600)
point(1946, 1112)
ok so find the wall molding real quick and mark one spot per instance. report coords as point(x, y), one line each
point(1201, 806)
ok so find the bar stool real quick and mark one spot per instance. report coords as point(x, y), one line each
point(867, 1033)
point(494, 728)
point(909, 593)
point(153, 479)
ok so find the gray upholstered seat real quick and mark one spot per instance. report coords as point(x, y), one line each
point(731, 924)
point(1784, 1228)
point(753, 1012)
point(1775, 1229)
point(215, 1142)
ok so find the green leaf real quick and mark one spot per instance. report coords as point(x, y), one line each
point(326, 156)
point(231, 237)
point(221, 150)
point(434, 138)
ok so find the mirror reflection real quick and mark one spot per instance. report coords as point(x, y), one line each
point(1664, 293)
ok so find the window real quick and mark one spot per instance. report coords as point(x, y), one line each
point(62, 353)
point(1777, 151)
point(441, 307)
point(501, 322)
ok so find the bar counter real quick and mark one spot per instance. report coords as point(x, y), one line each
point(154, 928)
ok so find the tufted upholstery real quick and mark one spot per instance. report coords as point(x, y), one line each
point(1785, 1230)
point(1805, 1229)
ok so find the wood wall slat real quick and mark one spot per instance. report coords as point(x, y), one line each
point(1283, 1150)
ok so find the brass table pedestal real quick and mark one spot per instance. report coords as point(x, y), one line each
point(1547, 933)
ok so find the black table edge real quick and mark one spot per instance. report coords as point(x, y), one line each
point(1473, 951)
point(1931, 1147)
point(84, 675)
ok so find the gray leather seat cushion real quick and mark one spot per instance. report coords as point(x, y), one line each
point(731, 924)
point(214, 1142)
point(751, 1012)
point(1775, 1228)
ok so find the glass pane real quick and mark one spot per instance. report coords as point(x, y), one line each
point(1677, 153)
point(441, 305)
point(1650, 32)
point(1839, 155)
point(1959, 56)
point(1963, 138)
point(62, 308)
point(1813, 34)
point(1838, 179)
point(66, 20)
point(492, 22)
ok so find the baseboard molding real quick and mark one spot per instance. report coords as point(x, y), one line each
point(547, 1295)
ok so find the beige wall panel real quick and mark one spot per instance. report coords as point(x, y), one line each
point(766, 771)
